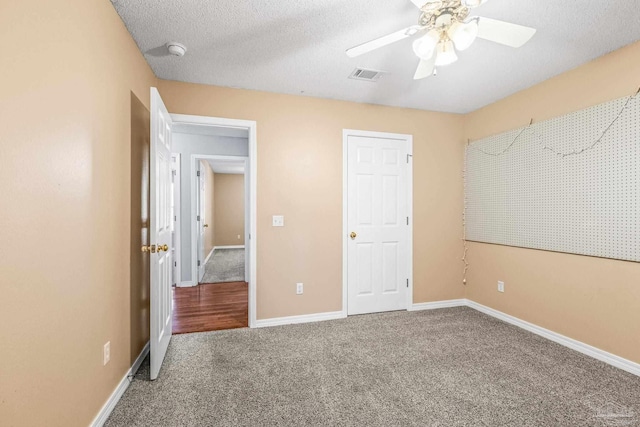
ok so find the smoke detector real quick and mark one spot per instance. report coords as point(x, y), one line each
point(176, 49)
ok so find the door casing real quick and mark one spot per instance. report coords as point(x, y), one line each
point(199, 257)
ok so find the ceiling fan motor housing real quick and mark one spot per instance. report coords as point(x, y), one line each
point(436, 14)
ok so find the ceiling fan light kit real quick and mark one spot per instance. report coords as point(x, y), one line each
point(425, 45)
point(474, 3)
point(444, 26)
point(463, 34)
point(446, 54)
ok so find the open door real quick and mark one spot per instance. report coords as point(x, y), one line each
point(200, 223)
point(160, 232)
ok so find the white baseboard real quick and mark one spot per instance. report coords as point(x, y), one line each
point(113, 400)
point(186, 284)
point(229, 247)
point(209, 256)
point(596, 353)
point(143, 354)
point(438, 304)
point(306, 318)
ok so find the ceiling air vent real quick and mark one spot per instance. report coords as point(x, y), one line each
point(367, 75)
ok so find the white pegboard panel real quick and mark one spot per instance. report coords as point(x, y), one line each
point(532, 197)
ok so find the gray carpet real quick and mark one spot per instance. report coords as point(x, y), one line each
point(448, 367)
point(225, 265)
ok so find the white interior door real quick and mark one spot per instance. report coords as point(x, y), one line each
point(175, 216)
point(378, 224)
point(200, 220)
point(160, 232)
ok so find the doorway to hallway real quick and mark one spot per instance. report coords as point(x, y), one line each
point(217, 206)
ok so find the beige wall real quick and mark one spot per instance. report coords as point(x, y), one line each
point(65, 135)
point(229, 206)
point(139, 262)
point(69, 118)
point(300, 177)
point(596, 301)
point(209, 207)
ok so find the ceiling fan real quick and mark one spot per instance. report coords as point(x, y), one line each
point(445, 26)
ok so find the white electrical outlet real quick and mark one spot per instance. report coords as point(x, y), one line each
point(238, 237)
point(299, 288)
point(500, 286)
point(106, 353)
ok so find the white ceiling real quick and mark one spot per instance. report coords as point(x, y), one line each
point(227, 166)
point(297, 47)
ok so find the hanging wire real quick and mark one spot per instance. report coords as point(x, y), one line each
point(464, 217)
point(541, 143)
point(507, 148)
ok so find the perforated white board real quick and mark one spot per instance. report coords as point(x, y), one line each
point(584, 203)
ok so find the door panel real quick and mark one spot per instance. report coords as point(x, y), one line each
point(377, 211)
point(160, 226)
point(365, 272)
point(390, 267)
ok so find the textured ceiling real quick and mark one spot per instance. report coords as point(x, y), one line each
point(298, 47)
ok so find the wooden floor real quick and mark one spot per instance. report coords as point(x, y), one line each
point(210, 307)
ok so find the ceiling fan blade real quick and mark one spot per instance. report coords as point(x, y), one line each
point(505, 33)
point(425, 68)
point(383, 41)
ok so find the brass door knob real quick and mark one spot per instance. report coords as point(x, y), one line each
point(150, 248)
point(206, 225)
point(353, 235)
point(164, 248)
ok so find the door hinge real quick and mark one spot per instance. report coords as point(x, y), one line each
point(198, 173)
point(175, 217)
point(407, 283)
point(175, 263)
point(407, 220)
point(198, 263)
point(198, 218)
point(409, 155)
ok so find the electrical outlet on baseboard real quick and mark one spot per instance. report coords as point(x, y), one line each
point(500, 286)
point(299, 288)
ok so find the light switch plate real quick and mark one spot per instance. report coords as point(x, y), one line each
point(278, 221)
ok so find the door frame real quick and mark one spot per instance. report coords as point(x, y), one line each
point(196, 189)
point(195, 158)
point(346, 133)
point(177, 199)
point(251, 170)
